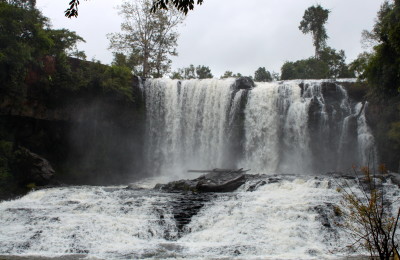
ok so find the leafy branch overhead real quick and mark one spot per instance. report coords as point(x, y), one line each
point(181, 5)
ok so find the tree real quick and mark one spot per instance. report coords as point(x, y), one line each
point(181, 5)
point(310, 68)
point(203, 72)
point(65, 40)
point(227, 74)
point(23, 41)
point(369, 216)
point(122, 60)
point(262, 75)
point(336, 62)
point(382, 70)
point(331, 64)
point(359, 65)
point(149, 37)
point(313, 22)
point(192, 72)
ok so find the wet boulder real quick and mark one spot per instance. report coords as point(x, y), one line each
point(221, 182)
point(210, 182)
point(243, 83)
point(32, 168)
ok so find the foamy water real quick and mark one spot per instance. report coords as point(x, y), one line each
point(288, 218)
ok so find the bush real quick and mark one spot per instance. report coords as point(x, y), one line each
point(368, 214)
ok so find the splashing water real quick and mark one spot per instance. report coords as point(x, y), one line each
point(286, 217)
point(288, 126)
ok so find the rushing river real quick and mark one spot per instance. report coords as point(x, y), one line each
point(300, 128)
point(271, 217)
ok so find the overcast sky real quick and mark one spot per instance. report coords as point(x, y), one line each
point(235, 35)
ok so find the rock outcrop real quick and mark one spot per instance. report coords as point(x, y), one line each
point(210, 182)
point(244, 83)
point(32, 168)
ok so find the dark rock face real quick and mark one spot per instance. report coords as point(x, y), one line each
point(244, 83)
point(211, 182)
point(220, 182)
point(33, 168)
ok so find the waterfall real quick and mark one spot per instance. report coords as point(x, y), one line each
point(366, 141)
point(298, 126)
point(187, 123)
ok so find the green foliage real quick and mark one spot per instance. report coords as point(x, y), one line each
point(331, 64)
point(120, 59)
point(64, 41)
point(305, 69)
point(22, 41)
point(192, 72)
point(262, 75)
point(33, 54)
point(118, 79)
point(230, 74)
point(313, 22)
point(148, 37)
point(368, 216)
point(359, 65)
point(227, 74)
point(383, 69)
point(203, 72)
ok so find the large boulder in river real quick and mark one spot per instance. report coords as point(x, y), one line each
point(32, 168)
point(211, 182)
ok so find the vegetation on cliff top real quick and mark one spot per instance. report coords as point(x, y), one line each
point(327, 62)
point(41, 67)
point(381, 70)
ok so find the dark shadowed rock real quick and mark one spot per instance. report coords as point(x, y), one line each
point(244, 83)
point(220, 182)
point(211, 182)
point(32, 168)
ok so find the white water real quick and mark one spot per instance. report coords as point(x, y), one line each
point(187, 123)
point(194, 124)
point(366, 141)
point(289, 219)
point(286, 127)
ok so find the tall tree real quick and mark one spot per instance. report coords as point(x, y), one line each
point(262, 75)
point(313, 22)
point(150, 37)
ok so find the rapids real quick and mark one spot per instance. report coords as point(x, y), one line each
point(289, 217)
point(290, 133)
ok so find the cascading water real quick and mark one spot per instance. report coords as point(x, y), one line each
point(187, 123)
point(277, 127)
point(284, 217)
